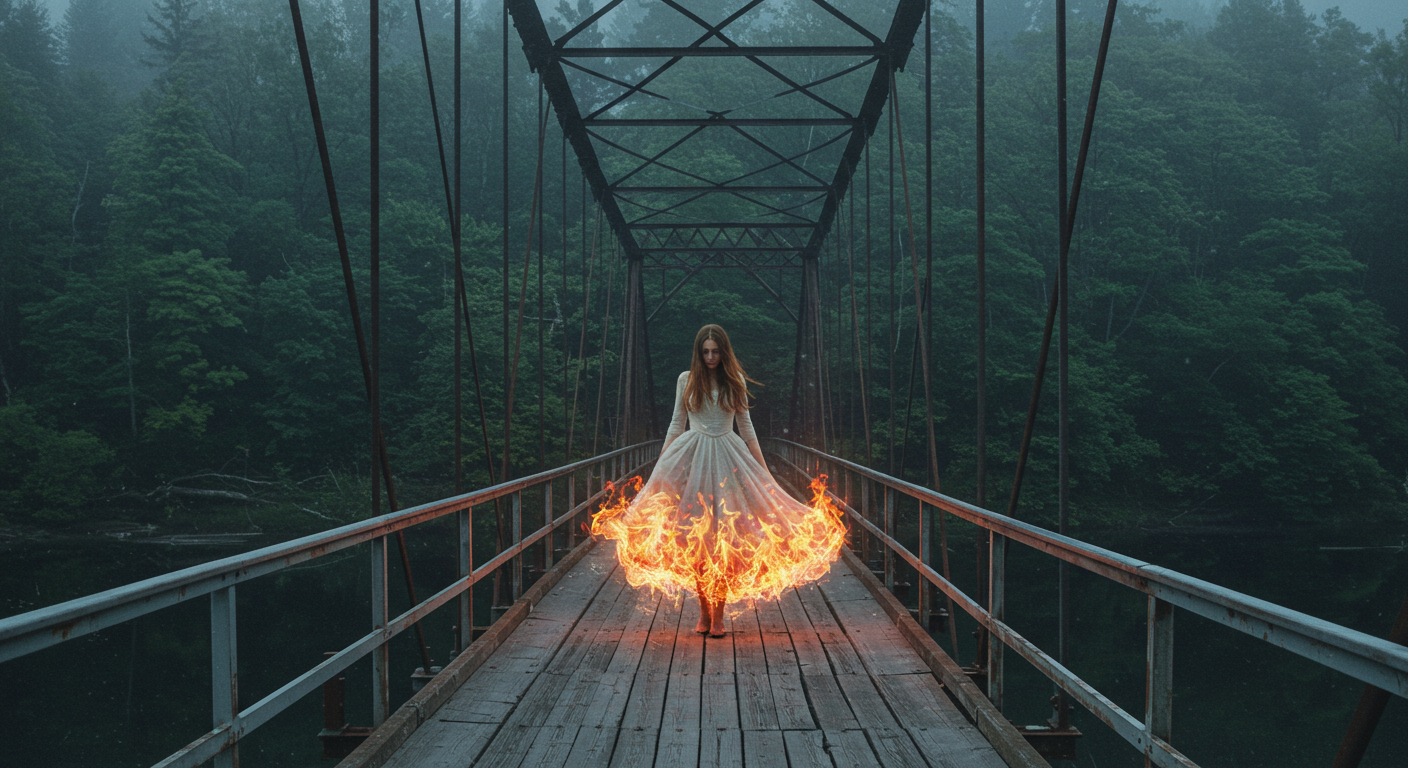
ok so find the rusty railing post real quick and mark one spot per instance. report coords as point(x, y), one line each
point(464, 632)
point(381, 682)
point(1158, 677)
point(516, 521)
point(997, 608)
point(224, 670)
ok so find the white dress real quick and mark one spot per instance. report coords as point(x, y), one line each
point(711, 519)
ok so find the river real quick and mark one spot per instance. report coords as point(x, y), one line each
point(131, 694)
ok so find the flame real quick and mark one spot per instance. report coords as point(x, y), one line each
point(726, 557)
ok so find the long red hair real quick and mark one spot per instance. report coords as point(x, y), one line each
point(728, 378)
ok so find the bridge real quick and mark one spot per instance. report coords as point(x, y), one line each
point(579, 668)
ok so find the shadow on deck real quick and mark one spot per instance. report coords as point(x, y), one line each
point(587, 671)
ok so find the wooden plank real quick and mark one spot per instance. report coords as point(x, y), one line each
point(865, 701)
point(748, 655)
point(718, 656)
point(878, 643)
point(718, 707)
point(652, 676)
point(764, 749)
point(689, 645)
point(770, 617)
point(850, 749)
point(818, 610)
point(756, 709)
point(953, 748)
point(508, 748)
point(636, 634)
point(806, 646)
point(721, 747)
point(807, 749)
point(995, 728)
point(609, 700)
point(682, 701)
point(841, 584)
point(438, 744)
point(635, 748)
point(660, 647)
point(794, 615)
point(538, 703)
point(575, 701)
point(840, 654)
point(593, 748)
point(829, 703)
point(781, 657)
point(894, 748)
point(678, 748)
point(679, 733)
point(552, 747)
point(743, 618)
point(646, 702)
point(919, 702)
point(790, 703)
point(811, 656)
point(569, 657)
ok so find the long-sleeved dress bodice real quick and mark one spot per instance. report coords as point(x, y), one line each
point(711, 519)
point(711, 420)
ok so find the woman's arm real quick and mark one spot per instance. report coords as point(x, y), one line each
point(750, 438)
point(677, 422)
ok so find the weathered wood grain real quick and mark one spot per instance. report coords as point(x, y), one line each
point(790, 701)
point(865, 701)
point(593, 748)
point(635, 748)
point(832, 710)
point(894, 748)
point(764, 749)
point(443, 745)
point(850, 749)
point(807, 749)
point(722, 747)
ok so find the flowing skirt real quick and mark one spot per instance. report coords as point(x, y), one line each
point(711, 521)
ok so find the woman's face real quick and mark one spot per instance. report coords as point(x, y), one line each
point(712, 355)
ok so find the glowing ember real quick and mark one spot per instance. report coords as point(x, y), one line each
point(730, 556)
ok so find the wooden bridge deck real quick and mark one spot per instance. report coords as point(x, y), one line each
point(601, 674)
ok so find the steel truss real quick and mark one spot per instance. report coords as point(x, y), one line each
point(627, 127)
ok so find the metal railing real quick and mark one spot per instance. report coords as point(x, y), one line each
point(1370, 659)
point(35, 630)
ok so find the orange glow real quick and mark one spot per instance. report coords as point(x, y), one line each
point(731, 557)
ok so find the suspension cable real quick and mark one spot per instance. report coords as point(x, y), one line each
point(920, 334)
point(379, 456)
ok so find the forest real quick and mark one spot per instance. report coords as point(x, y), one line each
point(176, 347)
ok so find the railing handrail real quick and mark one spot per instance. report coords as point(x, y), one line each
point(31, 631)
point(1154, 580)
point(1373, 660)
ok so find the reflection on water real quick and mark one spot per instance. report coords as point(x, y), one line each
point(130, 695)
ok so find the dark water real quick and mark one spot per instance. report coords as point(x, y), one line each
point(130, 695)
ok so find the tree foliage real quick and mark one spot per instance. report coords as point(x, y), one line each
point(172, 300)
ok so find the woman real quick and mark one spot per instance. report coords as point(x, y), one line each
point(712, 519)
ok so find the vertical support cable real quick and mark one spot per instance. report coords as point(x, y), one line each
point(1063, 708)
point(381, 702)
point(499, 521)
point(892, 342)
point(380, 457)
point(921, 335)
point(542, 244)
point(464, 518)
point(980, 191)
